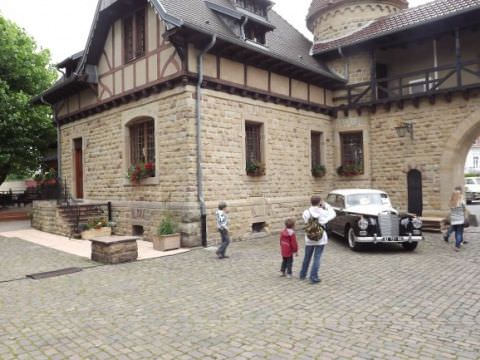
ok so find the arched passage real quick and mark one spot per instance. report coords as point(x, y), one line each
point(455, 153)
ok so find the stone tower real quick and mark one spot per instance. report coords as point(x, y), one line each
point(333, 19)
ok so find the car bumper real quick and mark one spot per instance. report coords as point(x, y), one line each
point(389, 239)
point(473, 195)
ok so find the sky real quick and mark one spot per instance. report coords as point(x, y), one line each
point(62, 26)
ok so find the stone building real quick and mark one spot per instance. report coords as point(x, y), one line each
point(224, 100)
point(472, 164)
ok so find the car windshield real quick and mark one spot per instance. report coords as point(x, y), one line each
point(367, 199)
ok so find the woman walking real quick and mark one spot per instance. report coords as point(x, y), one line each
point(457, 217)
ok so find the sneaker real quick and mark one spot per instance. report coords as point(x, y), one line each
point(465, 242)
point(445, 238)
point(289, 276)
point(301, 278)
point(225, 257)
point(282, 274)
point(315, 281)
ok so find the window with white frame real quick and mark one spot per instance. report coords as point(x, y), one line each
point(475, 162)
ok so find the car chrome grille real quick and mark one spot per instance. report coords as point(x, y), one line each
point(389, 224)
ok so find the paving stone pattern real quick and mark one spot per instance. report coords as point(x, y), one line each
point(19, 258)
point(381, 303)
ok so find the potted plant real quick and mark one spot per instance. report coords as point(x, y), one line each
point(255, 168)
point(319, 171)
point(167, 237)
point(136, 173)
point(350, 169)
point(95, 228)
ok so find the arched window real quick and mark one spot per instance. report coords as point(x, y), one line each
point(142, 142)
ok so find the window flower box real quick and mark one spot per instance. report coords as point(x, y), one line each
point(319, 171)
point(349, 170)
point(138, 172)
point(255, 168)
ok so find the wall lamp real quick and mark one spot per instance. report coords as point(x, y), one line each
point(403, 129)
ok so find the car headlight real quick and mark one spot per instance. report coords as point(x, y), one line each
point(363, 224)
point(417, 223)
point(405, 222)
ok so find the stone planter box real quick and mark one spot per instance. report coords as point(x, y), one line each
point(114, 249)
point(93, 233)
point(166, 242)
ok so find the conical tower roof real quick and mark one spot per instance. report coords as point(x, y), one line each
point(317, 7)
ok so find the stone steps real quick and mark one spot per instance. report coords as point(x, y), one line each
point(433, 224)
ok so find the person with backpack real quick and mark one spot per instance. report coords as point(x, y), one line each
point(316, 219)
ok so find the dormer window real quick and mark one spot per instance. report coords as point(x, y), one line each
point(134, 35)
point(254, 32)
point(254, 6)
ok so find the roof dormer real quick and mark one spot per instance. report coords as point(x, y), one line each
point(257, 7)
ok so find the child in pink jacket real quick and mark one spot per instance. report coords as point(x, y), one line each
point(288, 246)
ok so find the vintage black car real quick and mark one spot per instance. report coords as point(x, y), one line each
point(367, 216)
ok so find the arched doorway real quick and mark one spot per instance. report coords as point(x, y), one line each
point(415, 192)
point(455, 153)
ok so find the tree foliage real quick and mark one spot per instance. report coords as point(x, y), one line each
point(26, 130)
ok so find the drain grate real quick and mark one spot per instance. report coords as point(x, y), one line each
point(49, 274)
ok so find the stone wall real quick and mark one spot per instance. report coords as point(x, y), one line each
point(285, 189)
point(45, 217)
point(443, 134)
point(344, 20)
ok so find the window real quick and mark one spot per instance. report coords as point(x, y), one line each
point(256, 33)
point(417, 86)
point(253, 148)
point(142, 143)
point(253, 6)
point(134, 35)
point(316, 140)
point(352, 151)
point(475, 162)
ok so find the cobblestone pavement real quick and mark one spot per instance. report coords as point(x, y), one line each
point(381, 303)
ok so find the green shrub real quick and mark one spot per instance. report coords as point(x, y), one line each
point(167, 226)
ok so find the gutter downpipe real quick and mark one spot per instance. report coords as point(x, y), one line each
point(347, 65)
point(242, 28)
point(59, 144)
point(198, 115)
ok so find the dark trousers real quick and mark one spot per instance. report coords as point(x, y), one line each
point(287, 265)
point(225, 242)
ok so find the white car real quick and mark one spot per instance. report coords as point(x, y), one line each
point(472, 189)
point(367, 216)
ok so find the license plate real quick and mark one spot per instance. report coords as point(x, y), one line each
point(390, 238)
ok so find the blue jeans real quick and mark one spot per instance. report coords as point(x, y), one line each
point(316, 251)
point(458, 234)
point(449, 232)
point(225, 242)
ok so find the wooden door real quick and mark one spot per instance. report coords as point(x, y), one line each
point(78, 151)
point(415, 192)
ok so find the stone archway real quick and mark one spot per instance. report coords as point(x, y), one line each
point(455, 153)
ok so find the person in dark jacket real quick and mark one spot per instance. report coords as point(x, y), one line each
point(288, 246)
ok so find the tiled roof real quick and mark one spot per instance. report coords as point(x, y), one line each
point(284, 42)
point(318, 6)
point(402, 20)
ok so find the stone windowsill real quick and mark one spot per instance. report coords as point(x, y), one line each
point(151, 181)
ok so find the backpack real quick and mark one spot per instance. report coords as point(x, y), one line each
point(313, 229)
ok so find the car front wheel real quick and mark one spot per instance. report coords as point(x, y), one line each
point(352, 239)
point(410, 246)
